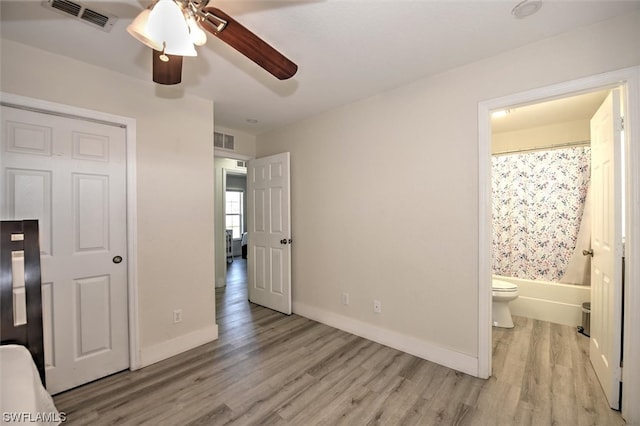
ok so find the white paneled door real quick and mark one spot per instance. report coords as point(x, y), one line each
point(269, 245)
point(70, 174)
point(606, 246)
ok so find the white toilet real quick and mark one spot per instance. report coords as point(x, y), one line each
point(503, 293)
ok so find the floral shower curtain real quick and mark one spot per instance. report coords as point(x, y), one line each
point(538, 201)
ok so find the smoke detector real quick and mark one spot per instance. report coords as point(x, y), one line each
point(526, 8)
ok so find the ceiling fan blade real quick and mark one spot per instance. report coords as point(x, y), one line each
point(249, 44)
point(169, 72)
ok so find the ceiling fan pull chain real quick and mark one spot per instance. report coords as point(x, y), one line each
point(163, 57)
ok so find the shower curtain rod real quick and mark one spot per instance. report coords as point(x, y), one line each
point(543, 148)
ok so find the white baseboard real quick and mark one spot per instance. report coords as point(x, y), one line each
point(169, 348)
point(411, 345)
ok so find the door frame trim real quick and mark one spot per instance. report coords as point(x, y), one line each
point(629, 80)
point(129, 124)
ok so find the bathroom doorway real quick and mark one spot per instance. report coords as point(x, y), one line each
point(627, 80)
point(542, 203)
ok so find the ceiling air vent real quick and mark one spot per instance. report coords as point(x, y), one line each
point(91, 16)
point(221, 140)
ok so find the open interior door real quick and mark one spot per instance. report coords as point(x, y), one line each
point(606, 246)
point(269, 232)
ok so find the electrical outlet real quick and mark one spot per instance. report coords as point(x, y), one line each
point(177, 316)
point(377, 306)
point(345, 298)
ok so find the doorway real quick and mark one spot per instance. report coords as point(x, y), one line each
point(547, 192)
point(629, 81)
point(541, 209)
point(230, 215)
point(268, 218)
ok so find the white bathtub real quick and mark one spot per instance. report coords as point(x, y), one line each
point(548, 301)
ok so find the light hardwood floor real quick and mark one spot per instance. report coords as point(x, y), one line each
point(271, 369)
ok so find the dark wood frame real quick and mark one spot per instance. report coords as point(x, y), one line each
point(30, 334)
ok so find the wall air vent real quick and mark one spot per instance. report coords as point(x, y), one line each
point(91, 16)
point(241, 164)
point(224, 141)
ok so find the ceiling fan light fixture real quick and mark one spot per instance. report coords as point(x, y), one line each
point(167, 70)
point(168, 27)
point(198, 36)
point(138, 29)
point(172, 27)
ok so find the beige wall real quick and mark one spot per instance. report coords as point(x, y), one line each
point(415, 247)
point(541, 137)
point(245, 143)
point(174, 183)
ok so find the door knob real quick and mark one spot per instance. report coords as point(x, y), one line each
point(117, 259)
point(283, 241)
point(587, 252)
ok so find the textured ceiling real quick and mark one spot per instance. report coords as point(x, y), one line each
point(345, 49)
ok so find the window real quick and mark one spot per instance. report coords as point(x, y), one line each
point(233, 210)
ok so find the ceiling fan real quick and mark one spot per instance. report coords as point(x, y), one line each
point(172, 28)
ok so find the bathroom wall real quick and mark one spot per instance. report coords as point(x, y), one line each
point(541, 136)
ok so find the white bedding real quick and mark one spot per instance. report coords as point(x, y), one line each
point(23, 399)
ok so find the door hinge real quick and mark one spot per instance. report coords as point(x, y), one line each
point(618, 373)
point(621, 123)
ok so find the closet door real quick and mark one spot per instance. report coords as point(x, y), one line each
point(70, 174)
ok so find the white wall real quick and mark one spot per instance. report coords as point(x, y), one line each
point(174, 187)
point(414, 247)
